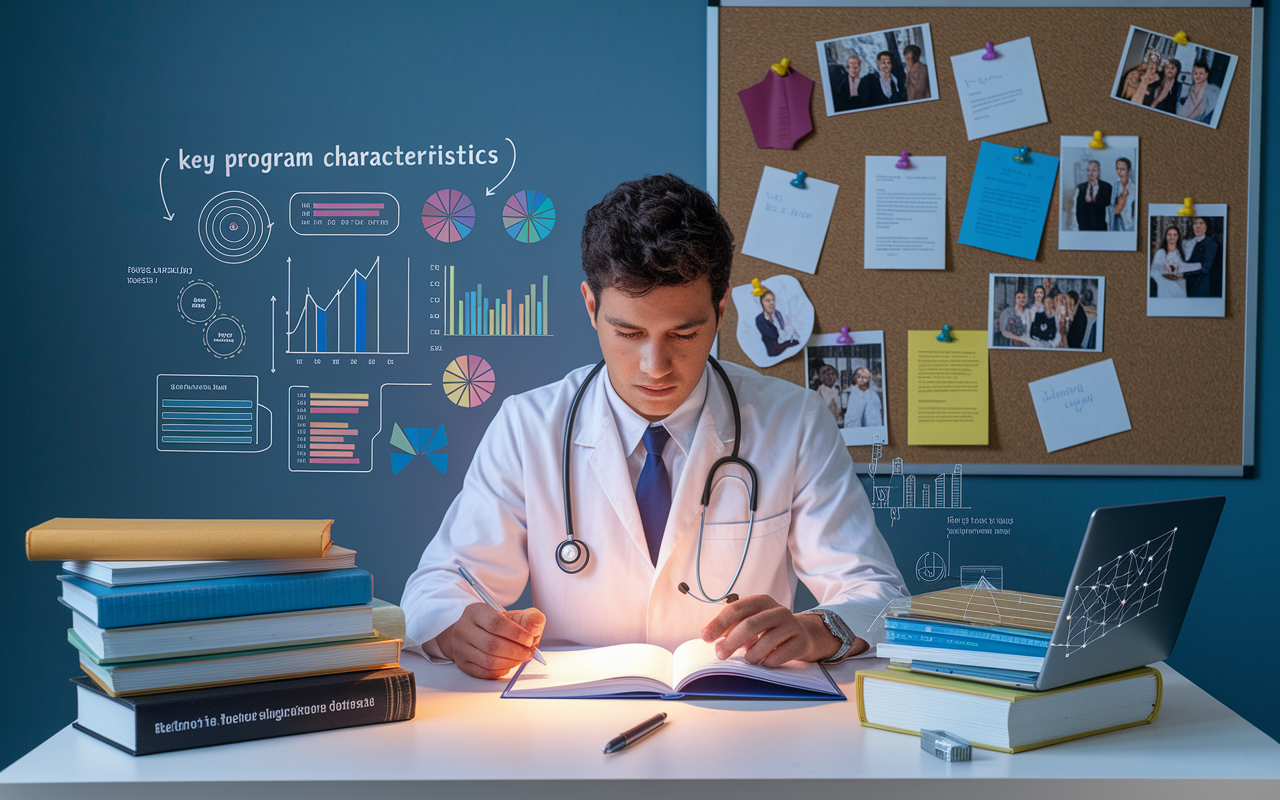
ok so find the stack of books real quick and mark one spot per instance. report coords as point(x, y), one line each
point(200, 632)
point(965, 660)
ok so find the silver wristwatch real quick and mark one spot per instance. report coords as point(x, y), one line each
point(838, 629)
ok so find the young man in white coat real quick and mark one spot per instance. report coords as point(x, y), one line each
point(657, 256)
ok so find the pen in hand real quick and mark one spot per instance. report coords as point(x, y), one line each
point(624, 740)
point(488, 599)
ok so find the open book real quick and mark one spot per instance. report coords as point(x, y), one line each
point(649, 671)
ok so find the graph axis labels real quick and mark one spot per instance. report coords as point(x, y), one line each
point(234, 227)
point(468, 381)
point(448, 216)
point(528, 216)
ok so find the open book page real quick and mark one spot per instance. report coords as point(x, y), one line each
point(695, 659)
point(598, 670)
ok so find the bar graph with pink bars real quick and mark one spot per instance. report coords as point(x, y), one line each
point(328, 428)
point(344, 213)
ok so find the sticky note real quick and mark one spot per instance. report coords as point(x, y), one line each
point(1080, 405)
point(1008, 201)
point(1002, 94)
point(948, 394)
point(789, 225)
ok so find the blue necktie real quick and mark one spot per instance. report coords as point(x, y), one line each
point(653, 490)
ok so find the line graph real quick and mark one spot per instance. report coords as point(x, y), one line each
point(352, 319)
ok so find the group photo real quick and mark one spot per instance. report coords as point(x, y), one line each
point(1186, 261)
point(849, 379)
point(1046, 312)
point(1187, 81)
point(1098, 194)
point(882, 68)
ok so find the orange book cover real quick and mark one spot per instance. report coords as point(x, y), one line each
point(79, 539)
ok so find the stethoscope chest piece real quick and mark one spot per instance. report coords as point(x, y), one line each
point(572, 556)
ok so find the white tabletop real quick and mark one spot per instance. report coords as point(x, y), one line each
point(466, 740)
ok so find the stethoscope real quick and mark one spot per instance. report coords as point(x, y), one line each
point(572, 554)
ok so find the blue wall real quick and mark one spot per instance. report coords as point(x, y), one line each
point(97, 97)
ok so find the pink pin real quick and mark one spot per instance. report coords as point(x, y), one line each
point(991, 52)
point(904, 162)
point(843, 337)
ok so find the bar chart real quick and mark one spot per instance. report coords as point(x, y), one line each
point(344, 214)
point(510, 312)
point(330, 430)
point(355, 318)
point(208, 414)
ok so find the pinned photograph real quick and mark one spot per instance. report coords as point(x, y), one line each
point(1098, 194)
point(1045, 312)
point(883, 68)
point(1186, 265)
point(849, 379)
point(1181, 80)
point(775, 319)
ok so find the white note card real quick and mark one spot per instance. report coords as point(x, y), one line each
point(1002, 94)
point(1080, 405)
point(905, 223)
point(789, 225)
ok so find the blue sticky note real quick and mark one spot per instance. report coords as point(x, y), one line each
point(1080, 405)
point(1008, 201)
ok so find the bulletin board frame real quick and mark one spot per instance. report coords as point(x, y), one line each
point(1227, 400)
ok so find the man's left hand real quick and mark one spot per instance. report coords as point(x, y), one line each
point(772, 634)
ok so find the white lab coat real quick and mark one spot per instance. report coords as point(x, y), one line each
point(813, 520)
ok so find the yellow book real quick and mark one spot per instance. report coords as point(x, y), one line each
point(69, 539)
point(1006, 719)
point(986, 606)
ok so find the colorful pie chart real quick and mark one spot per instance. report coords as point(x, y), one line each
point(448, 215)
point(529, 216)
point(468, 381)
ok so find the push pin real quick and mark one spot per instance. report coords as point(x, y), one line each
point(843, 337)
point(991, 53)
point(1097, 144)
point(798, 180)
point(904, 160)
point(1186, 210)
point(1181, 38)
point(781, 67)
point(756, 288)
point(945, 336)
point(1024, 155)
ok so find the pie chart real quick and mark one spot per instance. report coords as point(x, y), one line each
point(468, 381)
point(529, 216)
point(448, 215)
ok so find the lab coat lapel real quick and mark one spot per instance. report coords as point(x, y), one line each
point(608, 463)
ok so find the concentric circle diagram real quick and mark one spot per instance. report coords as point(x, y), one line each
point(234, 227)
point(448, 215)
point(468, 381)
point(529, 216)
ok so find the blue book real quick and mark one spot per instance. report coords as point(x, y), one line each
point(153, 603)
point(997, 634)
point(895, 636)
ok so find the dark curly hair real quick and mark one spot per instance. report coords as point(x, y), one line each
point(659, 230)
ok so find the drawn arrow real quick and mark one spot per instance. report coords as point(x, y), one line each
point(273, 333)
point(168, 213)
point(489, 192)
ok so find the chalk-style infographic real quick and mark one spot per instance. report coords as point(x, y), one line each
point(334, 429)
point(234, 227)
point(412, 442)
point(529, 216)
point(505, 313)
point(367, 312)
point(468, 381)
point(448, 215)
point(344, 214)
point(210, 414)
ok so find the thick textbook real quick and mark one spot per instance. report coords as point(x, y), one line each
point(224, 634)
point(166, 675)
point(153, 603)
point(935, 651)
point(131, 573)
point(986, 606)
point(158, 723)
point(649, 671)
point(1005, 719)
point(79, 539)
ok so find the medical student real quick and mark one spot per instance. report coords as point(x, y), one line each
point(648, 429)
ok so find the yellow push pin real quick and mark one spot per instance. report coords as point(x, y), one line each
point(1181, 38)
point(1097, 144)
point(1186, 210)
point(781, 67)
point(756, 288)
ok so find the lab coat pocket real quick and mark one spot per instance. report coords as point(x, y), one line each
point(723, 548)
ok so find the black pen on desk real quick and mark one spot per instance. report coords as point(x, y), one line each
point(494, 604)
point(627, 738)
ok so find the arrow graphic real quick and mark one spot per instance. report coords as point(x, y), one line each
point(273, 333)
point(489, 192)
point(169, 214)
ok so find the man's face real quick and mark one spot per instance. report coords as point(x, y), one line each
point(863, 378)
point(828, 375)
point(1020, 300)
point(1200, 227)
point(656, 346)
point(1198, 75)
point(853, 66)
point(885, 64)
point(1170, 70)
point(1122, 171)
point(1092, 172)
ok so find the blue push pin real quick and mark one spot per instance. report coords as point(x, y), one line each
point(945, 336)
point(843, 337)
point(798, 180)
point(1024, 155)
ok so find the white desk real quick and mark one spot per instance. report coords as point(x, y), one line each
point(467, 742)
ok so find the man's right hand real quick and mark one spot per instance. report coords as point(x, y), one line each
point(487, 644)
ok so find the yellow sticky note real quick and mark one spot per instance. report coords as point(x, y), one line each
point(948, 399)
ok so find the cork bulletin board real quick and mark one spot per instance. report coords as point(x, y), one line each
point(1187, 382)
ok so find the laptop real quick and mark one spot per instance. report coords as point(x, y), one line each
point(1127, 597)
